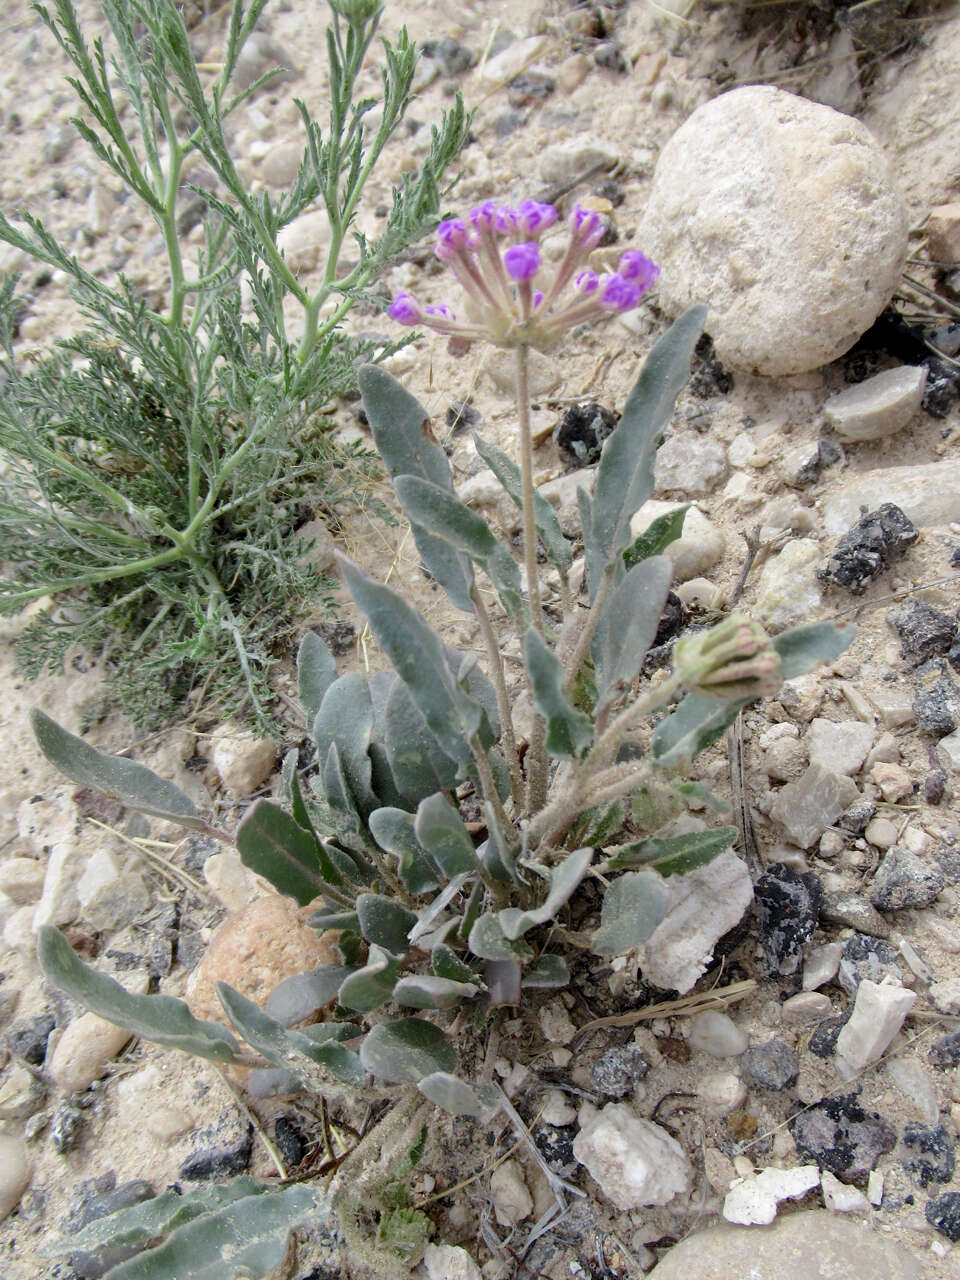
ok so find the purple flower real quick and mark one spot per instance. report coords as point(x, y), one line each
point(586, 282)
point(440, 310)
point(533, 218)
point(405, 309)
point(586, 227)
point(452, 239)
point(538, 297)
point(619, 294)
point(506, 219)
point(484, 217)
point(522, 260)
point(634, 265)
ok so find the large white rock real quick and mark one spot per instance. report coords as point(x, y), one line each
point(781, 215)
point(705, 905)
point(878, 1014)
point(635, 1162)
point(449, 1262)
point(753, 1201)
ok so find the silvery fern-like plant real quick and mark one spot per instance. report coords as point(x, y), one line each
point(160, 463)
point(436, 917)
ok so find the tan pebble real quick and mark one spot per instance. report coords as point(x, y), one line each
point(15, 1172)
point(719, 1170)
point(253, 951)
point(83, 1051)
point(572, 72)
point(893, 780)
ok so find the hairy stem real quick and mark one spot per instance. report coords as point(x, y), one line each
point(503, 701)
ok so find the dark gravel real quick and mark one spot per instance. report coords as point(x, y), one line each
point(580, 433)
point(931, 1157)
point(841, 1136)
point(773, 1065)
point(786, 905)
point(868, 547)
point(218, 1162)
point(615, 1072)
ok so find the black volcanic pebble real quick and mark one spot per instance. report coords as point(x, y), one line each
point(773, 1065)
point(615, 1072)
point(291, 1140)
point(868, 547)
point(823, 1038)
point(931, 1158)
point(936, 699)
point(709, 377)
point(787, 905)
point(555, 1144)
point(581, 431)
point(945, 1052)
point(943, 1214)
point(924, 632)
point(839, 1135)
point(218, 1162)
point(28, 1040)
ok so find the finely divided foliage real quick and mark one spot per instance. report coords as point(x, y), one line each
point(160, 463)
point(441, 919)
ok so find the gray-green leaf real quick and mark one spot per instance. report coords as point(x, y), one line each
point(316, 672)
point(564, 879)
point(426, 991)
point(804, 648)
point(633, 906)
point(163, 1019)
point(629, 624)
point(443, 837)
point(419, 659)
point(399, 425)
point(291, 1049)
point(393, 831)
point(695, 724)
point(406, 1050)
point(134, 784)
point(674, 855)
point(459, 1098)
point(385, 922)
point(368, 988)
point(273, 845)
point(345, 717)
point(656, 537)
point(625, 473)
point(569, 731)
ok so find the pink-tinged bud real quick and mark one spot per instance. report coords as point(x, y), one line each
point(586, 227)
point(735, 659)
point(484, 217)
point(440, 310)
point(618, 294)
point(452, 239)
point(586, 282)
point(635, 266)
point(405, 309)
point(537, 298)
point(522, 260)
point(506, 220)
point(533, 218)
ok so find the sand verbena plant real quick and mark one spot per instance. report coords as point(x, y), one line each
point(441, 924)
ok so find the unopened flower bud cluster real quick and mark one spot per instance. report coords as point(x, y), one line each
point(495, 255)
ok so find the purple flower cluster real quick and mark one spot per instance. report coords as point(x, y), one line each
point(495, 255)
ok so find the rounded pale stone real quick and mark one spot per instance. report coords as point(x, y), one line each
point(781, 215)
point(716, 1033)
point(253, 951)
point(634, 1162)
point(83, 1051)
point(878, 407)
point(242, 761)
point(803, 1246)
point(14, 1172)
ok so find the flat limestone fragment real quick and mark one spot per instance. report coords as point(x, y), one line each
point(806, 808)
point(879, 406)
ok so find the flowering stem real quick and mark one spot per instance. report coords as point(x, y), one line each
point(503, 701)
point(526, 469)
point(588, 631)
point(537, 753)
